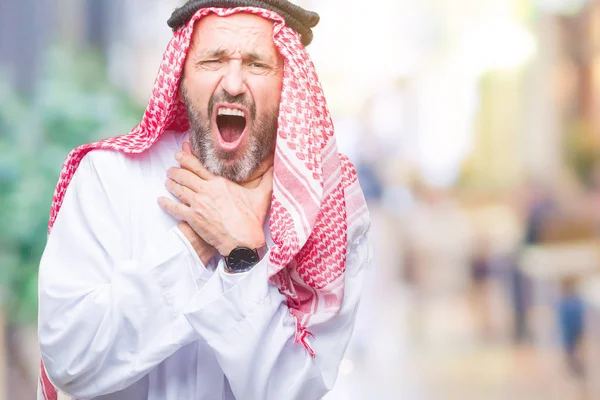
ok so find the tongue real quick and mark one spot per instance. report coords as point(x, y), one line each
point(230, 127)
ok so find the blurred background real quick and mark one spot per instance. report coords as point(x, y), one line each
point(475, 128)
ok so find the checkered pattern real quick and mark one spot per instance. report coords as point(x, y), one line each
point(317, 205)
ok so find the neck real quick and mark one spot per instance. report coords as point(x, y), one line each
point(256, 177)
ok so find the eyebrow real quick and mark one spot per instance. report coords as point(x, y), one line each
point(216, 53)
point(254, 56)
point(221, 52)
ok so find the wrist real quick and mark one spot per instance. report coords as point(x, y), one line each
point(253, 245)
point(203, 250)
point(205, 255)
point(243, 259)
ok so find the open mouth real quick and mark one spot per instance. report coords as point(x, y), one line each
point(231, 124)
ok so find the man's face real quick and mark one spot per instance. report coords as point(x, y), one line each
point(231, 89)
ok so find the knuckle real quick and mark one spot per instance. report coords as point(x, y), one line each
point(185, 160)
point(197, 198)
point(197, 214)
point(200, 189)
point(196, 167)
point(175, 175)
point(179, 192)
point(175, 189)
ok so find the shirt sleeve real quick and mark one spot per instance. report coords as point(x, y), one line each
point(252, 332)
point(105, 319)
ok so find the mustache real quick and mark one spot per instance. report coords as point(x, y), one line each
point(240, 99)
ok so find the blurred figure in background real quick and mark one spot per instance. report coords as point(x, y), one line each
point(571, 325)
point(480, 287)
point(539, 206)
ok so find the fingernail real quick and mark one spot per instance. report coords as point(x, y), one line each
point(178, 155)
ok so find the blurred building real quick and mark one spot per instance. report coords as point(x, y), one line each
point(24, 25)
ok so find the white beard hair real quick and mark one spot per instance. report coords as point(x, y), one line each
point(238, 173)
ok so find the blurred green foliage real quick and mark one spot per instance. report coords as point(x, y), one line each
point(582, 148)
point(74, 104)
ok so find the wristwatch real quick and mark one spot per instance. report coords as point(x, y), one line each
point(242, 259)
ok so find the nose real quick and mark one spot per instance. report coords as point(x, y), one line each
point(233, 80)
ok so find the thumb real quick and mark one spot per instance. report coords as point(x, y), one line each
point(266, 183)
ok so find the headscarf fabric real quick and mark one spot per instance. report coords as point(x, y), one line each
point(317, 204)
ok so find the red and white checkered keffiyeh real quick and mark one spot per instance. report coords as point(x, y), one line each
point(317, 204)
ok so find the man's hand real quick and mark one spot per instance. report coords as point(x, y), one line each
point(204, 250)
point(224, 214)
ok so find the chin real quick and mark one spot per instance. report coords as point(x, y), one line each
point(234, 166)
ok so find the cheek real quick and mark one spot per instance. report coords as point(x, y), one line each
point(267, 95)
point(200, 86)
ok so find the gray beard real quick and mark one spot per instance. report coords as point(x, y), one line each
point(261, 140)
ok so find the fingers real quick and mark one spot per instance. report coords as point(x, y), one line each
point(177, 210)
point(188, 161)
point(186, 178)
point(183, 193)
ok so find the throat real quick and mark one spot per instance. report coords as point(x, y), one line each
point(230, 127)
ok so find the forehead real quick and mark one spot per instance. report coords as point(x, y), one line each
point(242, 31)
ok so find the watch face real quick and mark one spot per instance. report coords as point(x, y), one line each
point(242, 258)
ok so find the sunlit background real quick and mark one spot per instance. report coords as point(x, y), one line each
point(475, 128)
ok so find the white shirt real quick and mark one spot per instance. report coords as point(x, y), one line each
point(127, 310)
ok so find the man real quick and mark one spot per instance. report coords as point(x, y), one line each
point(218, 250)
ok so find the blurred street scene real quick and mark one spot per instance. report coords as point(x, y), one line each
point(475, 129)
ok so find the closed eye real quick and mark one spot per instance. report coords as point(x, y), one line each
point(211, 64)
point(258, 65)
